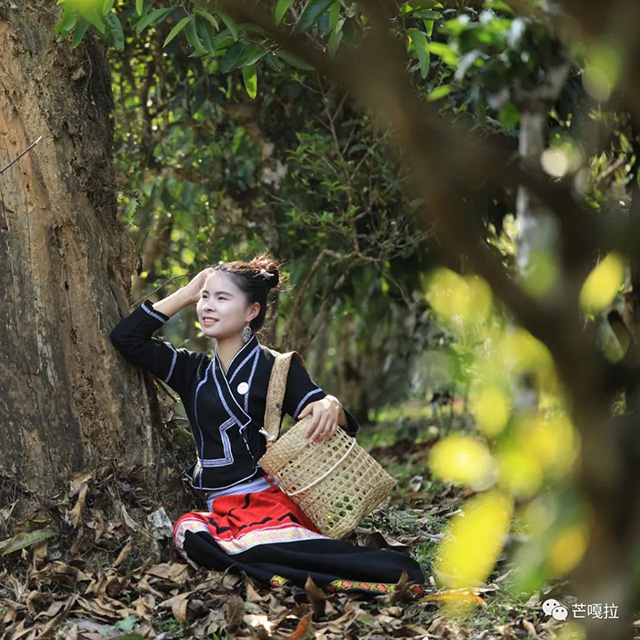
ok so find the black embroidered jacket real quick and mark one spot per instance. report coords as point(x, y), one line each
point(226, 411)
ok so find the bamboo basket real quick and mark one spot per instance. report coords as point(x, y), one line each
point(336, 483)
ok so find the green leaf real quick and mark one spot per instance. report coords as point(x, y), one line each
point(139, 6)
point(66, 24)
point(127, 624)
point(281, 9)
point(254, 29)
point(250, 77)
point(107, 5)
point(294, 60)
point(428, 27)
point(223, 39)
point(95, 19)
point(207, 16)
point(176, 30)
point(440, 92)
point(311, 14)
point(274, 62)
point(193, 37)
point(155, 16)
point(334, 40)
point(447, 53)
point(115, 30)
point(334, 15)
point(230, 23)
point(352, 32)
point(205, 31)
point(509, 116)
point(421, 46)
point(254, 53)
point(418, 5)
point(80, 30)
point(23, 540)
point(428, 15)
point(232, 57)
point(498, 4)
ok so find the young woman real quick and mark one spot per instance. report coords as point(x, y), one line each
point(249, 524)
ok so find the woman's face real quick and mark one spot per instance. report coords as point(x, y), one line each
point(222, 309)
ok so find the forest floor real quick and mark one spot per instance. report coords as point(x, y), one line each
point(96, 562)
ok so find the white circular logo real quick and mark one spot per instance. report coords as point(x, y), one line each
point(243, 387)
point(555, 609)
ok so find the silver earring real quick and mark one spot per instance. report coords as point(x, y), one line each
point(246, 333)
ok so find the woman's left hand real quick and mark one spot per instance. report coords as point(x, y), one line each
point(324, 422)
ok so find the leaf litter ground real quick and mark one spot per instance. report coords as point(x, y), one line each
point(96, 562)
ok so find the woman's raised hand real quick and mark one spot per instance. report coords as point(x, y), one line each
point(193, 289)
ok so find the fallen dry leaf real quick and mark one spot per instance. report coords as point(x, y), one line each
point(179, 606)
point(124, 554)
point(234, 612)
point(78, 480)
point(100, 525)
point(317, 597)
point(173, 571)
point(401, 588)
point(76, 512)
point(304, 629)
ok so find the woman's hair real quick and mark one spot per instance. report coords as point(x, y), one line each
point(255, 278)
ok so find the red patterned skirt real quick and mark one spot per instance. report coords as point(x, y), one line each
point(266, 535)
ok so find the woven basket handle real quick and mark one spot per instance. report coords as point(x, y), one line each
point(275, 394)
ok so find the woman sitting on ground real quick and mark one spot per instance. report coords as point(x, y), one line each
point(249, 524)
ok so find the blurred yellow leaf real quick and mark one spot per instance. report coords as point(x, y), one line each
point(568, 549)
point(522, 352)
point(460, 300)
point(519, 471)
point(492, 409)
point(541, 274)
point(552, 441)
point(602, 284)
point(473, 541)
point(462, 460)
point(187, 255)
point(603, 69)
point(537, 516)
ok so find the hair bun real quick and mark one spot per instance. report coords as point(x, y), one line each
point(267, 268)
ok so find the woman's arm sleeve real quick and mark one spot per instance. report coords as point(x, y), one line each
point(301, 390)
point(132, 336)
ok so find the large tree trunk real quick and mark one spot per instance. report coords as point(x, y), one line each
point(65, 264)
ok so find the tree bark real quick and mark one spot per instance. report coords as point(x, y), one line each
point(65, 264)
